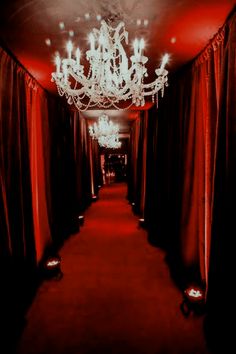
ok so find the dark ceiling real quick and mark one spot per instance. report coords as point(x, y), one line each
point(35, 29)
point(181, 28)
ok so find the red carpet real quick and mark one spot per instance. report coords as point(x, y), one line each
point(116, 295)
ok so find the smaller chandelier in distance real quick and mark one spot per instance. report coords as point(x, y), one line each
point(109, 141)
point(106, 132)
point(111, 78)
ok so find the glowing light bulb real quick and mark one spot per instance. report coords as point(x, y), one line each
point(61, 25)
point(136, 45)
point(78, 54)
point(58, 63)
point(65, 72)
point(165, 60)
point(69, 48)
point(141, 45)
point(92, 41)
point(48, 42)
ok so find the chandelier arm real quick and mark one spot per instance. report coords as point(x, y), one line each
point(81, 97)
point(160, 81)
point(81, 79)
point(152, 90)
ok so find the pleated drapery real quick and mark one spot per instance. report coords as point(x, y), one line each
point(46, 164)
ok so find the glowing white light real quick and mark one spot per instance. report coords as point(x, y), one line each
point(71, 33)
point(58, 63)
point(52, 263)
point(65, 73)
point(92, 41)
point(138, 22)
point(69, 48)
point(136, 47)
point(61, 25)
point(165, 60)
point(145, 22)
point(48, 42)
point(99, 17)
point(78, 54)
point(141, 44)
point(195, 293)
point(87, 16)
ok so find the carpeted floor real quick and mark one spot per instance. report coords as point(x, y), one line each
point(116, 295)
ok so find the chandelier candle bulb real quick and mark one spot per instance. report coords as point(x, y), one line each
point(165, 60)
point(136, 47)
point(58, 63)
point(77, 54)
point(65, 72)
point(141, 46)
point(69, 48)
point(92, 42)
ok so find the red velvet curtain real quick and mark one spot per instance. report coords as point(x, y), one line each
point(144, 164)
point(193, 147)
point(83, 176)
point(152, 197)
point(221, 268)
point(38, 204)
point(38, 135)
point(96, 172)
point(83, 170)
point(62, 170)
point(140, 191)
point(87, 163)
point(16, 194)
point(18, 255)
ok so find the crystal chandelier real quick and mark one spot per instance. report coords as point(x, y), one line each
point(106, 132)
point(110, 78)
point(103, 127)
point(109, 141)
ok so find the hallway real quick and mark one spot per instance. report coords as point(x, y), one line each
point(116, 295)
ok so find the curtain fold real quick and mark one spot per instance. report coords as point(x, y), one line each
point(141, 165)
point(83, 165)
point(95, 161)
point(17, 242)
point(36, 106)
point(62, 171)
point(132, 160)
point(137, 164)
point(16, 198)
point(151, 198)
